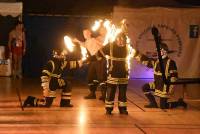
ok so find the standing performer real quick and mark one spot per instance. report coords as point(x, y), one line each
point(117, 54)
point(158, 87)
point(17, 47)
point(52, 78)
point(103, 66)
point(94, 67)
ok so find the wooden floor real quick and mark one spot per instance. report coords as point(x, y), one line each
point(88, 116)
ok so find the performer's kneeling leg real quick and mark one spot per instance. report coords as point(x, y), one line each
point(44, 102)
point(66, 96)
point(29, 102)
point(147, 92)
point(35, 102)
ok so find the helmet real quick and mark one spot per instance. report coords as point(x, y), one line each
point(164, 46)
point(58, 53)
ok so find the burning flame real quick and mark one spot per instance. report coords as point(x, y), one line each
point(96, 25)
point(68, 43)
point(131, 53)
point(70, 46)
point(84, 53)
point(112, 32)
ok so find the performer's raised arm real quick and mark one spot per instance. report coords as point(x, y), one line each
point(143, 59)
point(101, 53)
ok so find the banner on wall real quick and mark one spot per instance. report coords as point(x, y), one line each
point(179, 28)
point(10, 13)
point(11, 8)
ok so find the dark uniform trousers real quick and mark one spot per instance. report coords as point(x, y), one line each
point(110, 96)
point(97, 75)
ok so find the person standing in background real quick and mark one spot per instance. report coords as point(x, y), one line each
point(17, 48)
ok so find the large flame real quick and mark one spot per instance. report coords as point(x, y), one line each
point(68, 43)
point(70, 46)
point(112, 32)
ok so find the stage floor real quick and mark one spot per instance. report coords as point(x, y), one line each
point(88, 116)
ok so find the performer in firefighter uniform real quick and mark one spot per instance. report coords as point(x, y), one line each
point(158, 87)
point(117, 76)
point(52, 79)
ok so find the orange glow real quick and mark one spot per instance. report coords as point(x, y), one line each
point(82, 115)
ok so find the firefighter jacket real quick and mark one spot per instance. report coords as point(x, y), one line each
point(117, 62)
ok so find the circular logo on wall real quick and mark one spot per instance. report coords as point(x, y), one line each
point(146, 43)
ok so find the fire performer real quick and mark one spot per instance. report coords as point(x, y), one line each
point(53, 78)
point(103, 65)
point(94, 68)
point(117, 53)
point(158, 87)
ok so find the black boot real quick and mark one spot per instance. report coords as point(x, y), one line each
point(178, 103)
point(65, 103)
point(29, 102)
point(109, 110)
point(153, 103)
point(150, 105)
point(123, 110)
point(49, 101)
point(182, 103)
point(92, 95)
